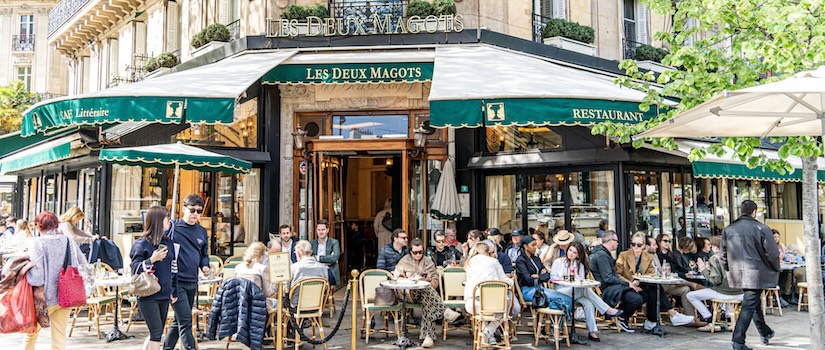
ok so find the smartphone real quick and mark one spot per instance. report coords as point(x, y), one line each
point(423, 275)
point(163, 247)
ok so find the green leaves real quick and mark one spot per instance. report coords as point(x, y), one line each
point(14, 99)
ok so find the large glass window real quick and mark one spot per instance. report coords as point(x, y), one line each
point(522, 138)
point(26, 26)
point(51, 194)
point(6, 197)
point(32, 198)
point(592, 197)
point(545, 200)
point(503, 202)
point(242, 133)
point(357, 127)
point(785, 201)
point(753, 190)
point(646, 213)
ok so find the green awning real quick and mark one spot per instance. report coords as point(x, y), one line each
point(205, 94)
point(168, 156)
point(742, 172)
point(45, 153)
point(12, 142)
point(349, 73)
point(477, 85)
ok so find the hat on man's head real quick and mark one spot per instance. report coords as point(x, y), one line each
point(493, 231)
point(564, 237)
point(526, 240)
point(517, 232)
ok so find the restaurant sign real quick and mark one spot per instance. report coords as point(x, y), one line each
point(363, 25)
point(112, 109)
point(349, 73)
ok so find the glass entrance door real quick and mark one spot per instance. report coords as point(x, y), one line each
point(329, 200)
point(644, 210)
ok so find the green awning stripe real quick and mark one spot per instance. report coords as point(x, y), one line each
point(742, 172)
point(136, 157)
point(45, 156)
point(111, 109)
point(533, 111)
point(350, 73)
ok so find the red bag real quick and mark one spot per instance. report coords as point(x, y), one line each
point(17, 308)
point(70, 290)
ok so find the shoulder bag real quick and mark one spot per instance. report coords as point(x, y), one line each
point(70, 289)
point(539, 298)
point(143, 284)
point(385, 297)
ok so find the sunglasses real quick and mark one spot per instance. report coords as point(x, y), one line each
point(193, 210)
point(666, 241)
point(419, 252)
point(439, 241)
point(638, 245)
point(402, 237)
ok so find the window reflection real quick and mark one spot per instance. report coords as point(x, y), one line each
point(522, 138)
point(242, 133)
point(503, 203)
point(357, 127)
point(593, 200)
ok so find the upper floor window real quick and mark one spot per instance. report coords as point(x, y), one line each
point(635, 24)
point(26, 26)
point(24, 74)
point(551, 8)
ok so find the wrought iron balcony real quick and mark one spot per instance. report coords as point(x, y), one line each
point(365, 10)
point(22, 42)
point(234, 29)
point(629, 49)
point(61, 13)
point(539, 22)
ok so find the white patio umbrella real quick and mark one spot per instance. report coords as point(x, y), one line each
point(445, 202)
point(791, 107)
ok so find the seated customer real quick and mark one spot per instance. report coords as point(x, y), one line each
point(576, 260)
point(307, 266)
point(391, 253)
point(679, 265)
point(443, 253)
point(253, 269)
point(718, 281)
point(482, 265)
point(416, 266)
point(561, 242)
point(530, 272)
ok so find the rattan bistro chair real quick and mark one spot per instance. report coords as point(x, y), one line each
point(493, 306)
point(367, 282)
point(312, 294)
point(452, 293)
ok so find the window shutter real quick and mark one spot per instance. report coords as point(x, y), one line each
point(642, 23)
point(140, 39)
point(114, 52)
point(546, 8)
point(224, 12)
point(172, 43)
point(560, 9)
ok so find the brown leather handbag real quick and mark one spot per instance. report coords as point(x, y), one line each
point(385, 297)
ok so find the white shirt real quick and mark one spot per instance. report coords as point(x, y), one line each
point(287, 248)
point(322, 248)
point(561, 269)
point(482, 268)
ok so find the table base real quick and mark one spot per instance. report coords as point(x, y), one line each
point(575, 339)
point(116, 334)
point(658, 330)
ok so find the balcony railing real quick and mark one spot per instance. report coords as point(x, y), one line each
point(22, 42)
point(629, 49)
point(539, 22)
point(43, 96)
point(365, 10)
point(234, 29)
point(61, 13)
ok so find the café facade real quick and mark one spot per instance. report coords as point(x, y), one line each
point(340, 129)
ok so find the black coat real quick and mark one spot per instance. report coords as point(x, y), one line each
point(239, 308)
point(750, 254)
point(603, 268)
point(528, 266)
point(679, 263)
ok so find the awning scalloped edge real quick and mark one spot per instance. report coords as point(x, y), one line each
point(144, 161)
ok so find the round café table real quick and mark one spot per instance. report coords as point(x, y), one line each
point(117, 282)
point(404, 285)
point(659, 281)
point(574, 338)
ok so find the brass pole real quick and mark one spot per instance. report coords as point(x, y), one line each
point(353, 288)
point(279, 341)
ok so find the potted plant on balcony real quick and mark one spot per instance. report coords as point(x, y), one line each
point(569, 36)
point(160, 64)
point(300, 22)
point(650, 58)
point(429, 13)
point(210, 38)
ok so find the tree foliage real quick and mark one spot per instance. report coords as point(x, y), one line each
point(736, 44)
point(14, 99)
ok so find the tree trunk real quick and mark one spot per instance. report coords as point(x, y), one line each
point(811, 239)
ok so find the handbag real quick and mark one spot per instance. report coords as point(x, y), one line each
point(17, 308)
point(144, 284)
point(539, 299)
point(385, 297)
point(387, 221)
point(70, 289)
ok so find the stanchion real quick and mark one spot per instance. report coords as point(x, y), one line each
point(279, 341)
point(353, 287)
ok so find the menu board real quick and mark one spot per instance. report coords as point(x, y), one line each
point(279, 267)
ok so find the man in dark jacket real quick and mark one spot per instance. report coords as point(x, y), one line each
point(443, 253)
point(602, 266)
point(191, 244)
point(391, 253)
point(751, 257)
point(327, 250)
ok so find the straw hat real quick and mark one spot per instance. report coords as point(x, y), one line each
point(564, 237)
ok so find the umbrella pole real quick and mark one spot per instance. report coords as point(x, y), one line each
point(175, 190)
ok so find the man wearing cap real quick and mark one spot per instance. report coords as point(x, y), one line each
point(494, 234)
point(561, 241)
point(515, 250)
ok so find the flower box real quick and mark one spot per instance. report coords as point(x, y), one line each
point(156, 72)
point(571, 45)
point(212, 45)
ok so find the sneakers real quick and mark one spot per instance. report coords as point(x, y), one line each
point(706, 328)
point(680, 319)
point(767, 338)
point(649, 325)
point(624, 326)
point(450, 315)
point(427, 343)
point(737, 346)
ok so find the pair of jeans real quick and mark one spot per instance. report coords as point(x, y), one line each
point(751, 310)
point(590, 301)
point(154, 313)
point(554, 297)
point(182, 324)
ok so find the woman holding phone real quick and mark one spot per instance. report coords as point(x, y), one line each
point(155, 253)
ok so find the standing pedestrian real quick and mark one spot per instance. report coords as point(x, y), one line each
point(383, 224)
point(68, 226)
point(751, 257)
point(191, 240)
point(152, 253)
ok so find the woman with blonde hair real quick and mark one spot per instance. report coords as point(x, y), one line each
point(253, 269)
point(483, 265)
point(23, 236)
point(68, 227)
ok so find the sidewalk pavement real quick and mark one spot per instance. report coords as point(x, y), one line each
point(792, 332)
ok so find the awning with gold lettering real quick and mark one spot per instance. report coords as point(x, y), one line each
point(206, 94)
point(479, 85)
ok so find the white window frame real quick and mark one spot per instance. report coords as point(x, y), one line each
point(26, 78)
point(26, 28)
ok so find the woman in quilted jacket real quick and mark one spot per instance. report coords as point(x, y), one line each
point(47, 254)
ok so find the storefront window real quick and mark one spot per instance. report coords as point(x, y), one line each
point(753, 190)
point(503, 203)
point(522, 138)
point(360, 127)
point(646, 213)
point(50, 200)
point(89, 194)
point(592, 198)
point(248, 199)
point(32, 199)
point(785, 201)
point(723, 218)
point(545, 201)
point(6, 197)
point(242, 133)
point(416, 208)
point(669, 199)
